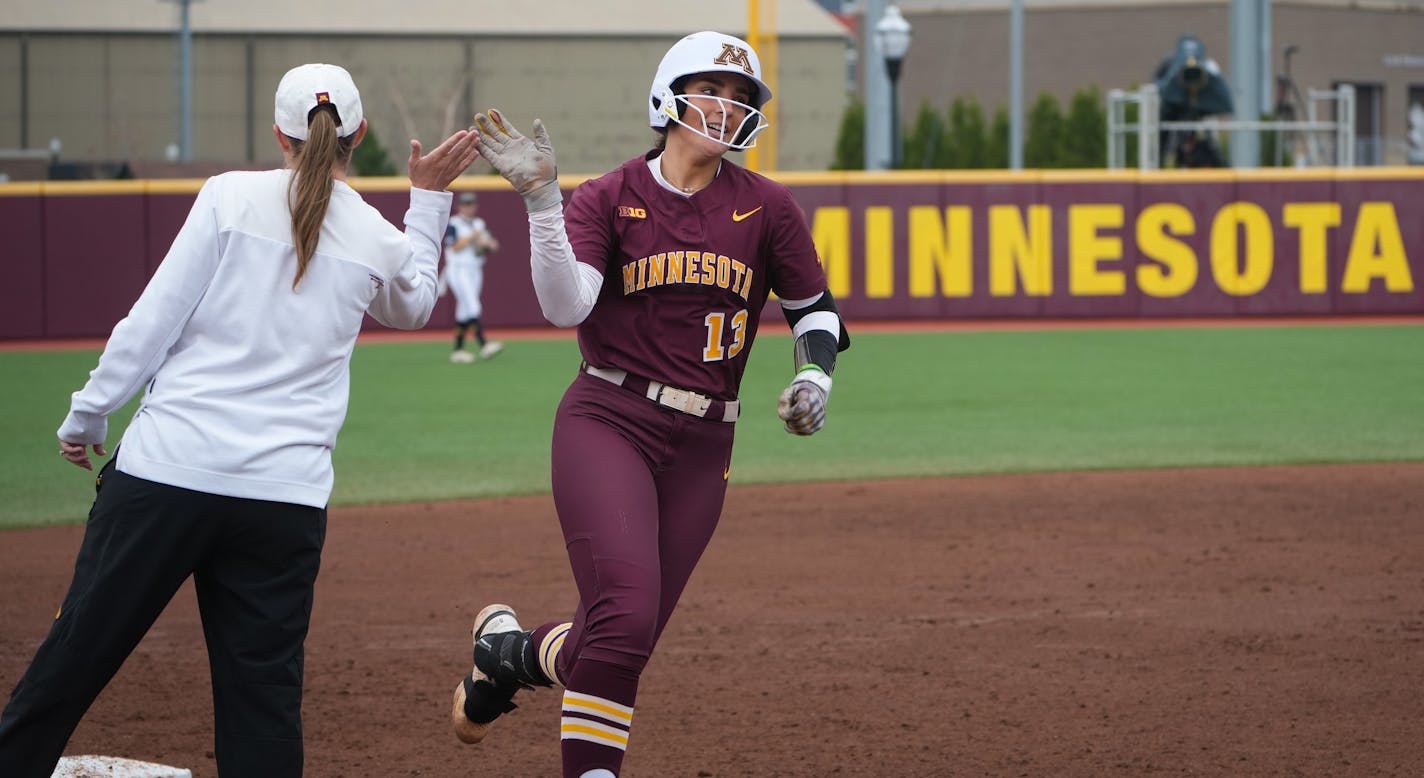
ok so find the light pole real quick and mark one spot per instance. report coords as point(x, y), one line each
point(185, 81)
point(892, 32)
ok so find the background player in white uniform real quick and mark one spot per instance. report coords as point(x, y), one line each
point(242, 343)
point(467, 243)
point(665, 265)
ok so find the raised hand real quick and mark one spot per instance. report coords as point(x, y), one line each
point(435, 171)
point(527, 163)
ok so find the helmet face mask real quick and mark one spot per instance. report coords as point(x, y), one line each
point(679, 107)
point(702, 53)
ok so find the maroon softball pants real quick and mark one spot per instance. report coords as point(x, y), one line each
point(639, 489)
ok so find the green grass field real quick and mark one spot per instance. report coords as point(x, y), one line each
point(936, 404)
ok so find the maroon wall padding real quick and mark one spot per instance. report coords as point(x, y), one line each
point(1285, 294)
point(94, 264)
point(164, 215)
point(22, 298)
point(1258, 243)
point(1406, 199)
point(1119, 259)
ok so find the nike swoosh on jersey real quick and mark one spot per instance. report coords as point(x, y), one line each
point(736, 217)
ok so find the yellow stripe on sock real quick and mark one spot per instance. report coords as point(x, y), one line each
point(571, 731)
point(598, 706)
point(549, 650)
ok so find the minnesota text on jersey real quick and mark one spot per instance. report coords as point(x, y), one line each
point(688, 267)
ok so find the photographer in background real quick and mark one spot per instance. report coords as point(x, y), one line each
point(1191, 88)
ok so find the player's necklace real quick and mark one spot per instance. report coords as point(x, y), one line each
point(697, 187)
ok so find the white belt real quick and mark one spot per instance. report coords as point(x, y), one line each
point(683, 400)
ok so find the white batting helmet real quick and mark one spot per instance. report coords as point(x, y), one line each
point(709, 52)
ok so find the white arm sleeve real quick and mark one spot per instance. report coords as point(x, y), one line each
point(140, 342)
point(566, 288)
point(407, 301)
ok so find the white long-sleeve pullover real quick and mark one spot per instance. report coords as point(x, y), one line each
point(247, 378)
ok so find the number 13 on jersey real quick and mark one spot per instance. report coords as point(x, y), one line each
point(716, 330)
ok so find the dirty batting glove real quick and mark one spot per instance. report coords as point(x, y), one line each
point(802, 405)
point(527, 163)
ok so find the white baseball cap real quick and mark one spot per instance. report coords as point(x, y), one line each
point(305, 87)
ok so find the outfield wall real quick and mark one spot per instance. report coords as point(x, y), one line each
point(905, 245)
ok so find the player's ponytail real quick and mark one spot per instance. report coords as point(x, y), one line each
point(309, 191)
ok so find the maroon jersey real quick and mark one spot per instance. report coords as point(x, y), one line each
point(685, 279)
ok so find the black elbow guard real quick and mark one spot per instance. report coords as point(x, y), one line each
point(818, 346)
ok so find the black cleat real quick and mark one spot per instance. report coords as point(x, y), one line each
point(480, 698)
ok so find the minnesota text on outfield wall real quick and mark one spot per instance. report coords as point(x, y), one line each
point(1241, 244)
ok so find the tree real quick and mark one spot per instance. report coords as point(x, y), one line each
point(369, 158)
point(1085, 131)
point(922, 146)
point(966, 142)
point(962, 141)
point(1043, 140)
point(997, 151)
point(1273, 144)
point(850, 141)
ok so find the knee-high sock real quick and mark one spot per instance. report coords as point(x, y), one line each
point(548, 641)
point(597, 716)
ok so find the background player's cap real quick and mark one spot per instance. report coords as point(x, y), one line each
point(306, 87)
point(468, 197)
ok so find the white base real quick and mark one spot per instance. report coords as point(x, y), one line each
point(88, 766)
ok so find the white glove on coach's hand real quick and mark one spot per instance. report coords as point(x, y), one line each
point(526, 163)
point(802, 405)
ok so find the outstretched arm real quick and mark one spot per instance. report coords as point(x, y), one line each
point(566, 288)
point(527, 163)
point(407, 301)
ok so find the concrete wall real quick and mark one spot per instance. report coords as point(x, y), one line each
point(10, 93)
point(115, 97)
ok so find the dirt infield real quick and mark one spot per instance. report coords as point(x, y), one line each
point(1224, 622)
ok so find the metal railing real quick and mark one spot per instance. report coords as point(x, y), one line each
point(1313, 142)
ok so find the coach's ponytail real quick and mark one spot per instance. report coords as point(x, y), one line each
point(309, 191)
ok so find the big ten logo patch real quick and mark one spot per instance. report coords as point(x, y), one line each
point(629, 212)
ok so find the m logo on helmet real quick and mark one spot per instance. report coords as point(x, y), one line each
point(735, 55)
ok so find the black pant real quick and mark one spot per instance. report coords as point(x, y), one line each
point(254, 565)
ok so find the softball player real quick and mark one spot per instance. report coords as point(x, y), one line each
point(467, 242)
point(665, 265)
point(242, 341)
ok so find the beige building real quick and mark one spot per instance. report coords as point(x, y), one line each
point(101, 78)
point(962, 47)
